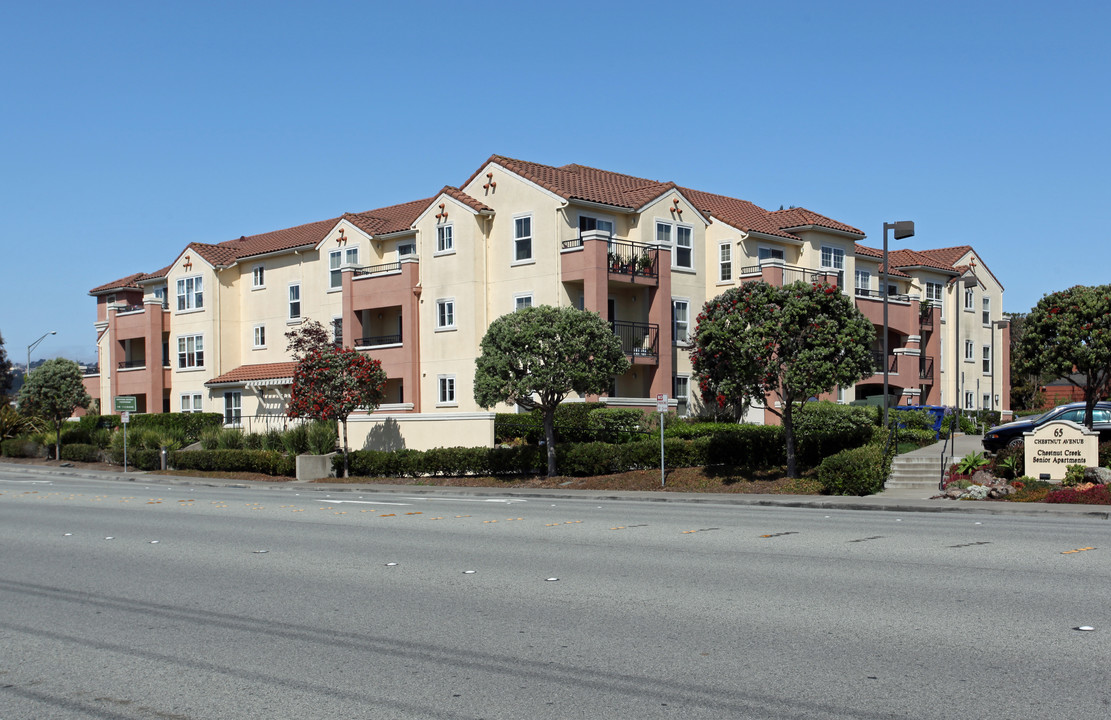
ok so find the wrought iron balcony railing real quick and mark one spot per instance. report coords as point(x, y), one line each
point(638, 339)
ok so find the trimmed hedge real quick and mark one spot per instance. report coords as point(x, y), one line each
point(267, 462)
point(574, 422)
point(81, 452)
point(190, 424)
point(140, 458)
point(21, 447)
point(858, 471)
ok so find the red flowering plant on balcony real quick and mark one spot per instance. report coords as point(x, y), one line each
point(332, 382)
point(779, 346)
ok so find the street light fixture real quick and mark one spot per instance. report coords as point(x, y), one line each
point(34, 345)
point(903, 229)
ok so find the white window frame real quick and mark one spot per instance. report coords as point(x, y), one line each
point(337, 329)
point(676, 322)
point(682, 397)
point(258, 337)
point(258, 277)
point(233, 408)
point(862, 279)
point(522, 301)
point(445, 239)
point(969, 299)
point(969, 351)
point(985, 310)
point(294, 290)
point(190, 293)
point(765, 252)
point(445, 391)
point(986, 400)
point(445, 314)
point(840, 395)
point(519, 240)
point(689, 247)
point(599, 220)
point(192, 402)
point(935, 293)
point(406, 249)
point(344, 257)
point(190, 352)
point(836, 262)
point(985, 359)
point(160, 294)
point(725, 262)
point(969, 400)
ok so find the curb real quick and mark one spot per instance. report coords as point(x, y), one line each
point(885, 501)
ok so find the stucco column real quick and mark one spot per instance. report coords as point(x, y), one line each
point(659, 312)
point(107, 404)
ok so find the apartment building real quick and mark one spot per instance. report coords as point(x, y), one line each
point(415, 285)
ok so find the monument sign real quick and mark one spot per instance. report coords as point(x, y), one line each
point(1052, 447)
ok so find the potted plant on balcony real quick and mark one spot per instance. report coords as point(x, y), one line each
point(644, 263)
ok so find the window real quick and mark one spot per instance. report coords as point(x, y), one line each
point(987, 358)
point(191, 403)
point(260, 336)
point(840, 394)
point(258, 277)
point(933, 292)
point(681, 390)
point(766, 253)
point(522, 238)
point(190, 351)
point(160, 295)
point(190, 293)
point(445, 314)
point(863, 281)
point(406, 249)
point(986, 312)
point(446, 390)
point(343, 257)
point(969, 299)
point(295, 301)
point(986, 400)
point(834, 259)
point(684, 247)
point(725, 262)
point(337, 331)
point(587, 223)
point(968, 400)
point(663, 234)
point(445, 239)
point(520, 302)
point(969, 351)
point(110, 300)
point(233, 407)
point(680, 321)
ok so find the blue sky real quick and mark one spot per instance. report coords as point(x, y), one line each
point(131, 129)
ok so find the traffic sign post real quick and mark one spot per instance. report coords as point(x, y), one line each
point(661, 408)
point(125, 403)
point(125, 418)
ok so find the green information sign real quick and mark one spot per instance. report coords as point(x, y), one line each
point(126, 403)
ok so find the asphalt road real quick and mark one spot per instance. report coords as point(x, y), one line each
point(127, 600)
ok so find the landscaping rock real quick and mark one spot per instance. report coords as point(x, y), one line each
point(1097, 475)
point(983, 477)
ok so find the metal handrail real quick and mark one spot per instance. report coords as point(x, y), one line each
point(129, 309)
point(127, 364)
point(878, 294)
point(638, 339)
point(925, 368)
point(877, 362)
point(376, 269)
point(378, 340)
point(630, 258)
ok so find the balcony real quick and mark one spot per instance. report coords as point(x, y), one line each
point(129, 309)
point(878, 295)
point(777, 274)
point(597, 255)
point(132, 364)
point(877, 362)
point(378, 341)
point(632, 260)
point(926, 369)
point(640, 341)
point(383, 269)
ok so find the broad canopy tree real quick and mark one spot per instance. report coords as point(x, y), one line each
point(537, 356)
point(760, 344)
point(5, 371)
point(1069, 333)
point(332, 382)
point(53, 391)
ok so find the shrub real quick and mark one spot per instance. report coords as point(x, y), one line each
point(590, 458)
point(267, 462)
point(825, 428)
point(857, 471)
point(322, 437)
point(1027, 489)
point(81, 452)
point(23, 446)
point(1105, 454)
point(755, 446)
point(971, 462)
point(1010, 462)
point(1074, 475)
point(190, 425)
point(1095, 495)
point(296, 440)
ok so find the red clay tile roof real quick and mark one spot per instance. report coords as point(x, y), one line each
point(905, 258)
point(156, 274)
point(471, 202)
point(263, 371)
point(580, 182)
point(801, 217)
point(384, 221)
point(948, 255)
point(740, 214)
point(129, 282)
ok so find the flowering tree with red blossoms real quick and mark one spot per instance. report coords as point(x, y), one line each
point(332, 382)
point(759, 343)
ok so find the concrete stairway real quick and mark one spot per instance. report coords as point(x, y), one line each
point(921, 468)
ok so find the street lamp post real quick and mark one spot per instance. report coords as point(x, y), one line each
point(995, 324)
point(34, 345)
point(903, 229)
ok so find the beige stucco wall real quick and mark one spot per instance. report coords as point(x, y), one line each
point(203, 322)
point(420, 431)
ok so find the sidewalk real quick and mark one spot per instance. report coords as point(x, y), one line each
point(889, 500)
